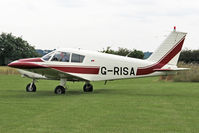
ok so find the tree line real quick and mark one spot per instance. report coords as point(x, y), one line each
point(189, 56)
point(124, 52)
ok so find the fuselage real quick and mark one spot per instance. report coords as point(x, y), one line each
point(95, 66)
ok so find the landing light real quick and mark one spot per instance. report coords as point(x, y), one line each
point(174, 29)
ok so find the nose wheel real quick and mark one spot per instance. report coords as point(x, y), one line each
point(88, 87)
point(31, 87)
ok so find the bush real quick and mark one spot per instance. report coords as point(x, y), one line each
point(8, 70)
point(191, 75)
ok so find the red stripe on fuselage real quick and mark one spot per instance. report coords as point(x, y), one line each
point(170, 55)
point(79, 70)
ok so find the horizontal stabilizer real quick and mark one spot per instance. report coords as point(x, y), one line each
point(169, 70)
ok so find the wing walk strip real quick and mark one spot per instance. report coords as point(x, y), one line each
point(163, 61)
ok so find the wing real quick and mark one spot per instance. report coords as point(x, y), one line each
point(49, 73)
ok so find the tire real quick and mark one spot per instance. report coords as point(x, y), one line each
point(88, 88)
point(31, 89)
point(59, 90)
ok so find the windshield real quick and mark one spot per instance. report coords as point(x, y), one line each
point(48, 56)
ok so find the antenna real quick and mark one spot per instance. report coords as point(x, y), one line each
point(128, 53)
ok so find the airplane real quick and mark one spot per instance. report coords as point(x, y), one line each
point(88, 66)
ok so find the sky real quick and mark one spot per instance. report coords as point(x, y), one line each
point(97, 24)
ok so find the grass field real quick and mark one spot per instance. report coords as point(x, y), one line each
point(125, 106)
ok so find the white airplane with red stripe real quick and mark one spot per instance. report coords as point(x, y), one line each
point(87, 66)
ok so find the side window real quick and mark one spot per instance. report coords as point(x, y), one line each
point(77, 58)
point(65, 56)
point(61, 56)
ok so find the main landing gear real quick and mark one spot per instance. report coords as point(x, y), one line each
point(60, 89)
point(88, 87)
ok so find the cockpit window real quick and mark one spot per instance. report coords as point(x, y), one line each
point(48, 56)
point(77, 58)
point(61, 56)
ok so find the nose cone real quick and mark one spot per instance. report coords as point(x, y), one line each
point(26, 63)
point(18, 64)
point(12, 64)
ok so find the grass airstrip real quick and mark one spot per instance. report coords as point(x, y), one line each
point(144, 105)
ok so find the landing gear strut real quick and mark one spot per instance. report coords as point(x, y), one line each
point(88, 87)
point(60, 88)
point(31, 87)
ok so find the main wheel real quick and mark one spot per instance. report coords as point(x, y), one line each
point(88, 88)
point(31, 88)
point(59, 90)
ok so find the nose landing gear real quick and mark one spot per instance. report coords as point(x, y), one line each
point(31, 87)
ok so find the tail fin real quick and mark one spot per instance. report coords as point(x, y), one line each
point(168, 52)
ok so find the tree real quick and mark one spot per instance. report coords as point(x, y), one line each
point(125, 52)
point(108, 50)
point(137, 54)
point(14, 48)
point(189, 56)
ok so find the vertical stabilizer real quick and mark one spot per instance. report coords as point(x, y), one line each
point(168, 52)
